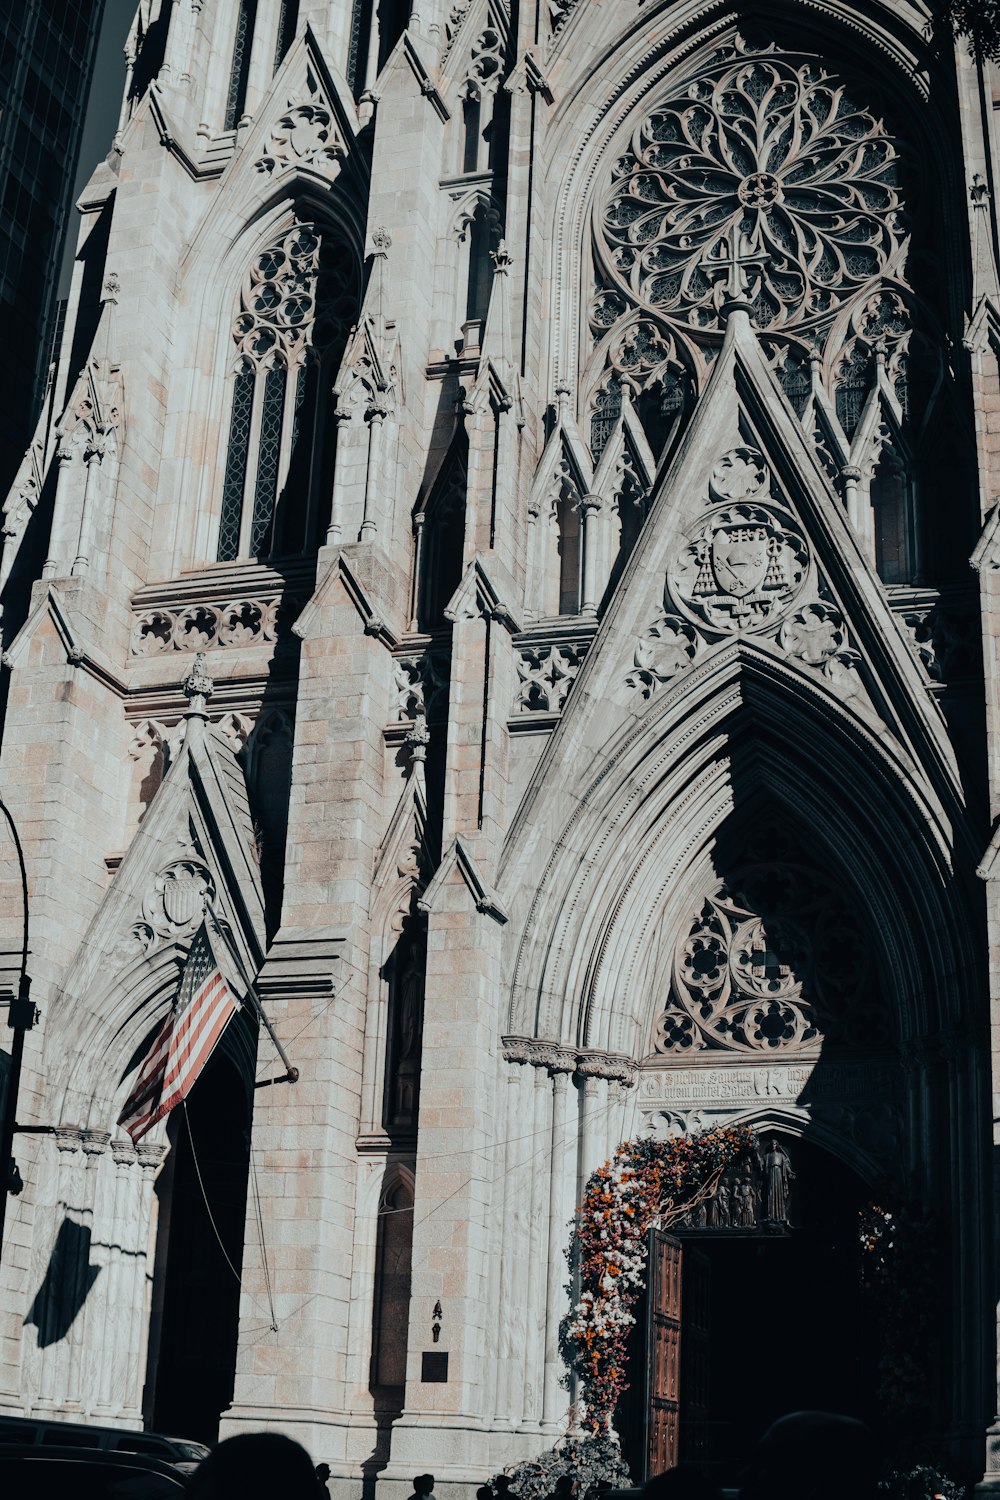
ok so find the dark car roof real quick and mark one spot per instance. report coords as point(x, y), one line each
point(86, 1474)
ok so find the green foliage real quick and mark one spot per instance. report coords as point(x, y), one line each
point(588, 1459)
point(978, 21)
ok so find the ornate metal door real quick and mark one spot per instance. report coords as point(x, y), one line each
point(663, 1363)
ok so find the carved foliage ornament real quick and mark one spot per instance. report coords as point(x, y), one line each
point(769, 147)
point(774, 961)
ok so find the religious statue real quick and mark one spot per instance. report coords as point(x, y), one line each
point(778, 1177)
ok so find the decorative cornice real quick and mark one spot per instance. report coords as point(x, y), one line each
point(586, 1063)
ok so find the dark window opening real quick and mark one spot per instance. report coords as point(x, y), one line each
point(239, 73)
point(393, 1255)
point(890, 500)
point(477, 299)
point(393, 17)
point(471, 113)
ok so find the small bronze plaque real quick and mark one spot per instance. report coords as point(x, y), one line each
point(433, 1367)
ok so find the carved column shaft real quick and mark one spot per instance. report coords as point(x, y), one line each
point(537, 1245)
point(561, 1206)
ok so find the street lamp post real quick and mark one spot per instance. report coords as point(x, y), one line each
point(20, 1018)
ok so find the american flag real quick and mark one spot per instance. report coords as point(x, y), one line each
point(185, 1040)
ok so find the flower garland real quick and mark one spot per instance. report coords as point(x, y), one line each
point(646, 1184)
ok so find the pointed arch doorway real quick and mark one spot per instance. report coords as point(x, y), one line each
point(202, 1195)
point(747, 1316)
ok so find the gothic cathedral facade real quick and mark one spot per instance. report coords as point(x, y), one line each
point(517, 534)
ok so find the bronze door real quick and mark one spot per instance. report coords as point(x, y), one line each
point(663, 1369)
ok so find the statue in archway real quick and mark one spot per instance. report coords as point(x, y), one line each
point(778, 1176)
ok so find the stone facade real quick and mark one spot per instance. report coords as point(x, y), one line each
point(564, 428)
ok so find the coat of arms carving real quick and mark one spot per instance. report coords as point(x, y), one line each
point(744, 562)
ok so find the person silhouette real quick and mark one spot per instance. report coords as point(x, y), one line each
point(502, 1485)
point(423, 1486)
point(322, 1476)
point(813, 1455)
point(564, 1487)
point(255, 1466)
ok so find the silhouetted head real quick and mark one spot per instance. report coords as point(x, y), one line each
point(813, 1455)
point(322, 1472)
point(685, 1482)
point(255, 1466)
point(564, 1484)
point(484, 1492)
point(502, 1484)
point(423, 1484)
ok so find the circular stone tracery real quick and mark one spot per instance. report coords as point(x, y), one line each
point(766, 150)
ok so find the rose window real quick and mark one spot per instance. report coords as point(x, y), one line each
point(766, 157)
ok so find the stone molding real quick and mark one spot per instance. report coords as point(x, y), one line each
point(585, 1063)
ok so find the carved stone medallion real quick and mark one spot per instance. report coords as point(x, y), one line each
point(741, 568)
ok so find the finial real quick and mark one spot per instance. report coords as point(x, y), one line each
point(501, 258)
point(736, 259)
point(418, 738)
point(381, 240)
point(112, 286)
point(198, 688)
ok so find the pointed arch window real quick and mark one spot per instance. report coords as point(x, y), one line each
point(239, 71)
point(297, 302)
point(288, 21)
point(393, 1258)
point(441, 542)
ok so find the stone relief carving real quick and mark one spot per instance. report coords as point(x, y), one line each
point(740, 569)
point(817, 635)
point(667, 648)
point(774, 961)
point(306, 135)
point(545, 675)
point(945, 640)
point(744, 568)
point(195, 627)
point(421, 685)
point(172, 906)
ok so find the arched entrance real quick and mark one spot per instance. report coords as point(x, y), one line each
point(753, 1308)
point(202, 1194)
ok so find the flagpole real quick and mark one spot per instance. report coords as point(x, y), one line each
point(291, 1074)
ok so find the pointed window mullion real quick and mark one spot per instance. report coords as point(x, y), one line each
point(253, 459)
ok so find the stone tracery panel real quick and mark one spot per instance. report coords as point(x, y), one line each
point(765, 155)
point(774, 961)
point(770, 147)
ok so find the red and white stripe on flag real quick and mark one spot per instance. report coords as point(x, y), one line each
point(184, 1042)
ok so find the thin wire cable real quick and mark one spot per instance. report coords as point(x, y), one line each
point(208, 1208)
point(263, 1246)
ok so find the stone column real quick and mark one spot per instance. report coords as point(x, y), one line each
point(561, 1207)
point(536, 1249)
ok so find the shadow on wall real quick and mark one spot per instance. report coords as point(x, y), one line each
point(65, 1286)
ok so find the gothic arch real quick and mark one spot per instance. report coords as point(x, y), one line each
point(708, 749)
point(199, 399)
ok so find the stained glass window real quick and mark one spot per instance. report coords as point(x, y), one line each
point(236, 466)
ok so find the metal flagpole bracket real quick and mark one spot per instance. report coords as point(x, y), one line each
point(290, 1075)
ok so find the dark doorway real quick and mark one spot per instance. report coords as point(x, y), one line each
point(771, 1321)
point(195, 1317)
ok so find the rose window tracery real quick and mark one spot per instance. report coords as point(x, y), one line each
point(773, 150)
point(775, 960)
point(762, 175)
